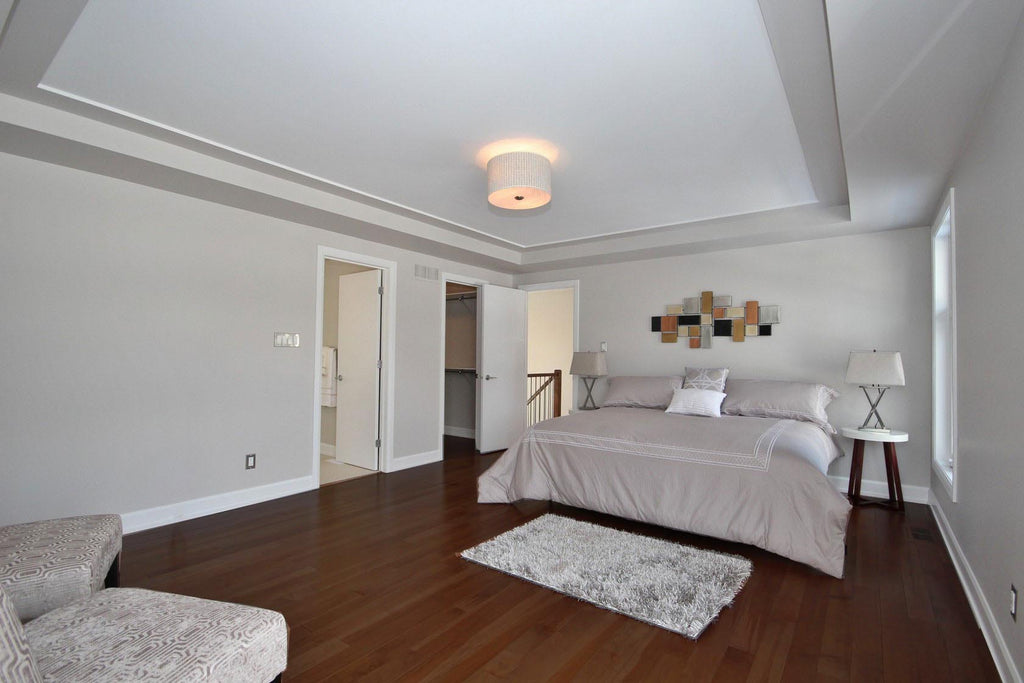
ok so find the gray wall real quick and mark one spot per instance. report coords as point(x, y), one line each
point(138, 365)
point(838, 294)
point(988, 519)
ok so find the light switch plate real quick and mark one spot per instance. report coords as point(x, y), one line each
point(286, 339)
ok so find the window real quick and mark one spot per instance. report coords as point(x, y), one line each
point(944, 444)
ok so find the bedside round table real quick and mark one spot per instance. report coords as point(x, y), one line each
point(892, 467)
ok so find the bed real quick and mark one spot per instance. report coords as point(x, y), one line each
point(754, 480)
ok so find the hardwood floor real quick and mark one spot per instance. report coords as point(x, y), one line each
point(367, 574)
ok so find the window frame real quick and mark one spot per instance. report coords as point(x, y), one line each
point(944, 370)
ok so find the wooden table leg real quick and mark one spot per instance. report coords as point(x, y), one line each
point(892, 468)
point(856, 465)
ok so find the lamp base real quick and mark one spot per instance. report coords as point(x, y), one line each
point(873, 402)
point(588, 402)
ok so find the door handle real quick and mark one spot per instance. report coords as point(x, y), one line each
point(490, 377)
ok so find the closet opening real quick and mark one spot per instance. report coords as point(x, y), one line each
point(460, 367)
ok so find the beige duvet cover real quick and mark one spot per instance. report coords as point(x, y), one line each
point(753, 480)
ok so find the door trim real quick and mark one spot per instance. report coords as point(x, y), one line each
point(462, 280)
point(574, 285)
point(389, 276)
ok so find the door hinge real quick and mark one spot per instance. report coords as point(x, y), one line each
point(380, 290)
point(380, 365)
point(377, 443)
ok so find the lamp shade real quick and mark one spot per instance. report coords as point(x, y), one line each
point(519, 180)
point(589, 364)
point(875, 368)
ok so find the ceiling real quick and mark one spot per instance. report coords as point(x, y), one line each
point(679, 126)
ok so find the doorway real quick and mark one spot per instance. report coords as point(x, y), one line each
point(551, 339)
point(460, 358)
point(496, 364)
point(354, 370)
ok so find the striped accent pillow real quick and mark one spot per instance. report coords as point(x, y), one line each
point(703, 402)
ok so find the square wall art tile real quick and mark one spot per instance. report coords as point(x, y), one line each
point(699, 318)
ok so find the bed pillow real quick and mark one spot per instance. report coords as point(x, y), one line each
point(712, 379)
point(703, 402)
point(641, 392)
point(787, 400)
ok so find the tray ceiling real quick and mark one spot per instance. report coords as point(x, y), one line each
point(663, 116)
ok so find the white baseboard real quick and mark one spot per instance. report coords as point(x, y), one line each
point(326, 450)
point(464, 432)
point(416, 460)
point(979, 605)
point(880, 489)
point(150, 518)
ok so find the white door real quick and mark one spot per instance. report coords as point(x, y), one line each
point(358, 414)
point(501, 367)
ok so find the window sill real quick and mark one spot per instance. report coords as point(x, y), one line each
point(945, 475)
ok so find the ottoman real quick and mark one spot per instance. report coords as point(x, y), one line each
point(45, 565)
point(131, 634)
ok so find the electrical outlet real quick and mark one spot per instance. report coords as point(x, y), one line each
point(250, 461)
point(1013, 602)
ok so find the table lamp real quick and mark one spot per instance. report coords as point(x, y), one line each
point(589, 365)
point(878, 370)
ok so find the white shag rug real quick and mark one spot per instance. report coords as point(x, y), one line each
point(666, 584)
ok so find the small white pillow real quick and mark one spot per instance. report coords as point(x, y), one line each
point(703, 402)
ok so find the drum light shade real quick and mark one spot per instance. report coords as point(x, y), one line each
point(519, 180)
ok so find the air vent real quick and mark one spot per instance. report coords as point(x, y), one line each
point(427, 273)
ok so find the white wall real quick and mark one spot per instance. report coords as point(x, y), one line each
point(549, 342)
point(138, 365)
point(988, 519)
point(838, 294)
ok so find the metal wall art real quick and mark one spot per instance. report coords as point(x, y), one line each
point(700, 318)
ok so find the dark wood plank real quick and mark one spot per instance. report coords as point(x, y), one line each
point(368, 576)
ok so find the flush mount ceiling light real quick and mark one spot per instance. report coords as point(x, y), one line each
point(519, 180)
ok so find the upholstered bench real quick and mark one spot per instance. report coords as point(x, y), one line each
point(131, 634)
point(45, 565)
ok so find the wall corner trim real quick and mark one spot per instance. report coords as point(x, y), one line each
point(149, 518)
point(880, 489)
point(407, 461)
point(979, 605)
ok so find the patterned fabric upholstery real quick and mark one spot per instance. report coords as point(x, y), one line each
point(16, 662)
point(709, 379)
point(45, 565)
point(130, 634)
